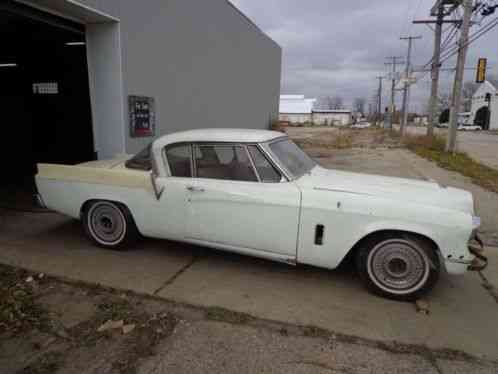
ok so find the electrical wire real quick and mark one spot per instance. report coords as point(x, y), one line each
point(477, 35)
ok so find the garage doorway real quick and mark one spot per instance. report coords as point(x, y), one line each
point(45, 98)
point(483, 116)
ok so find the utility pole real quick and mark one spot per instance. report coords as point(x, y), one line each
point(379, 99)
point(435, 72)
point(440, 10)
point(406, 88)
point(456, 99)
point(395, 62)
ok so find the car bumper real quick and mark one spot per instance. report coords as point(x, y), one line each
point(478, 263)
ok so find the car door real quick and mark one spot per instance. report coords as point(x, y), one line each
point(170, 218)
point(230, 203)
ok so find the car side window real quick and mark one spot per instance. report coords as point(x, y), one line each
point(179, 160)
point(228, 162)
point(267, 172)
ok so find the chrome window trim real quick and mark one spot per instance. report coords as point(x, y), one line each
point(252, 163)
point(166, 161)
point(223, 144)
point(288, 174)
point(263, 147)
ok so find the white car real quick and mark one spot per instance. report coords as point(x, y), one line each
point(256, 193)
point(361, 125)
point(468, 127)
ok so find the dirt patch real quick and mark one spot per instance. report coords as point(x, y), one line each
point(342, 138)
point(35, 308)
point(18, 310)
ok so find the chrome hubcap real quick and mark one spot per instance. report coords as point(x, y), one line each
point(106, 223)
point(398, 266)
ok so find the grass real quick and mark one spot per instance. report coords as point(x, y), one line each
point(433, 148)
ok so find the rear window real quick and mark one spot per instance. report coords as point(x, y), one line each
point(142, 160)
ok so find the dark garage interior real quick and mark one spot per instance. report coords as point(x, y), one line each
point(46, 112)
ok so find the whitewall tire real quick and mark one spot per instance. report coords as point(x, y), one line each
point(109, 224)
point(400, 268)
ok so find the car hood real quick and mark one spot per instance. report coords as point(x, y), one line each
point(401, 189)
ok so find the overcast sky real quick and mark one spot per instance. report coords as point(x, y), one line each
point(337, 48)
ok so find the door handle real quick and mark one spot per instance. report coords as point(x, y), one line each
point(195, 189)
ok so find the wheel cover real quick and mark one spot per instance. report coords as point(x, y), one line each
point(106, 223)
point(398, 266)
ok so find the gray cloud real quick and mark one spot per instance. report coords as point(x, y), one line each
point(339, 47)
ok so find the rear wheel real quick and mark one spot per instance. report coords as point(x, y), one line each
point(109, 225)
point(400, 268)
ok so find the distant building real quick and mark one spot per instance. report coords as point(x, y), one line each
point(340, 117)
point(484, 110)
point(296, 109)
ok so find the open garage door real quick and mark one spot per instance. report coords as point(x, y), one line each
point(45, 99)
point(482, 117)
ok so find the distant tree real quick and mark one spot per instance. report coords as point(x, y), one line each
point(359, 105)
point(333, 102)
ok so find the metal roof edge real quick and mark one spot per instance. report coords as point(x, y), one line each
point(252, 23)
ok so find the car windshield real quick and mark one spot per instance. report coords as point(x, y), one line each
point(292, 157)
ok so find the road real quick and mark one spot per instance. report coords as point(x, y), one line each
point(462, 310)
point(480, 145)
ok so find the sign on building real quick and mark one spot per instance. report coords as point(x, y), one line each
point(481, 70)
point(142, 116)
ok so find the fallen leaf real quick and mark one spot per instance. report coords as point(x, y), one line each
point(128, 328)
point(111, 325)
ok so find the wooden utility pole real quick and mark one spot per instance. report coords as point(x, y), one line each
point(406, 88)
point(456, 99)
point(441, 9)
point(379, 99)
point(433, 117)
point(395, 62)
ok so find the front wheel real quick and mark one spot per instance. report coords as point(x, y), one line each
point(402, 268)
point(109, 225)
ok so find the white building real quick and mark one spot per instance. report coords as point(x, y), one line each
point(296, 109)
point(484, 110)
point(340, 117)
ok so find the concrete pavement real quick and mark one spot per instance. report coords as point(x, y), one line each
point(462, 310)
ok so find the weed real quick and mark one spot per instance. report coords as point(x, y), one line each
point(224, 315)
point(433, 148)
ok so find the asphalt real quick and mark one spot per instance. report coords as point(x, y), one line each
point(463, 313)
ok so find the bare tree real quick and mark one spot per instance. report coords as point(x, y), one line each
point(333, 102)
point(359, 105)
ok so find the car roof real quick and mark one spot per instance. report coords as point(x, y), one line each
point(218, 135)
